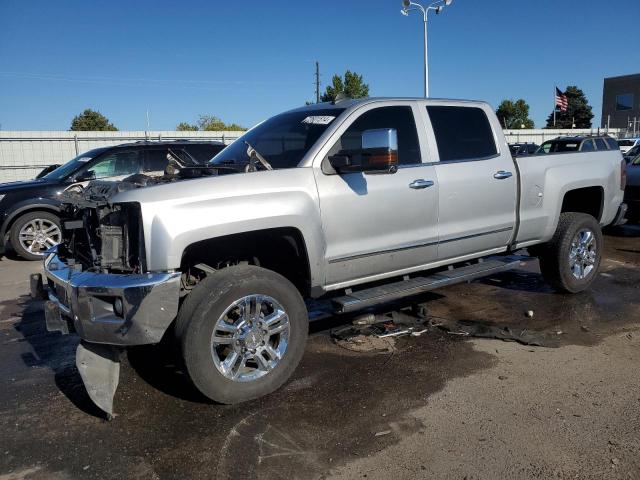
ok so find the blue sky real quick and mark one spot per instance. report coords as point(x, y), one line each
point(244, 61)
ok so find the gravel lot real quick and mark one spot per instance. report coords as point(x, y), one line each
point(438, 406)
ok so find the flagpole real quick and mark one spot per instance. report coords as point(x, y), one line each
point(554, 105)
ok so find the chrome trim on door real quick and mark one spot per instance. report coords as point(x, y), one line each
point(421, 183)
point(417, 245)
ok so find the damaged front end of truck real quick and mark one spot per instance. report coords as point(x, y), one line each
point(96, 285)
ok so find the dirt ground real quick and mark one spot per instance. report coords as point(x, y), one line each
point(436, 406)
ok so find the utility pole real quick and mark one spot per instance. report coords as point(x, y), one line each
point(317, 82)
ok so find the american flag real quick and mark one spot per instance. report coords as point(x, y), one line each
point(561, 100)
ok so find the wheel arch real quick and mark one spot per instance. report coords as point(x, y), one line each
point(281, 249)
point(21, 210)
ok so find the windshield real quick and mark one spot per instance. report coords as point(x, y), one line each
point(282, 140)
point(71, 166)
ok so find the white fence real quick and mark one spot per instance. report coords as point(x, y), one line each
point(542, 135)
point(24, 154)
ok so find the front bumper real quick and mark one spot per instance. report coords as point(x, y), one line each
point(86, 302)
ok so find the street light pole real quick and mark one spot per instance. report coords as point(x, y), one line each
point(407, 6)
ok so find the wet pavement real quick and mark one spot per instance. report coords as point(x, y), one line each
point(343, 412)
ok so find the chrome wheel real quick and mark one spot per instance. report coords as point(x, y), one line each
point(583, 254)
point(38, 235)
point(250, 338)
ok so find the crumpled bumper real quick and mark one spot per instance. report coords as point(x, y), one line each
point(113, 309)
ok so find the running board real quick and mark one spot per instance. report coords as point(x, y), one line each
point(393, 291)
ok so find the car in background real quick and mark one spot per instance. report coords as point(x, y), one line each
point(29, 210)
point(627, 144)
point(523, 149)
point(631, 154)
point(632, 190)
point(581, 143)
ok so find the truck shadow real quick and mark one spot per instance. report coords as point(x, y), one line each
point(50, 350)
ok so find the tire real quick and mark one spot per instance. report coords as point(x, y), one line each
point(556, 256)
point(201, 315)
point(41, 229)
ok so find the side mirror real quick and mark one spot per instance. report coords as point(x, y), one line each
point(86, 175)
point(379, 154)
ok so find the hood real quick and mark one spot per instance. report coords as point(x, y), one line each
point(13, 187)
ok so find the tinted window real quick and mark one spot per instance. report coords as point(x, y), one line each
point(156, 160)
point(613, 144)
point(116, 164)
point(600, 144)
point(532, 148)
point(626, 143)
point(462, 133)
point(203, 153)
point(282, 140)
point(624, 102)
point(587, 146)
point(398, 118)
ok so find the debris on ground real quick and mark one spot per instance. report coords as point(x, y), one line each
point(371, 332)
point(483, 330)
point(384, 432)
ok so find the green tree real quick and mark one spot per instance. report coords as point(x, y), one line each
point(351, 85)
point(578, 111)
point(213, 123)
point(186, 127)
point(514, 115)
point(90, 120)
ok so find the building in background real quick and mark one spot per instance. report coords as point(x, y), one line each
point(621, 103)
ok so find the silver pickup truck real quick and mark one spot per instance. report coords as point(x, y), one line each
point(359, 202)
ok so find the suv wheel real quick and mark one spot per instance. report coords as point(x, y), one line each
point(242, 332)
point(570, 261)
point(34, 233)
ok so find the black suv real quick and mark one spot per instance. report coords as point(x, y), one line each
point(29, 209)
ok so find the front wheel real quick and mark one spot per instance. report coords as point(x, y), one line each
point(570, 261)
point(242, 332)
point(34, 233)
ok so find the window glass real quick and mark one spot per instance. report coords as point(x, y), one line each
point(203, 153)
point(626, 143)
point(282, 140)
point(156, 160)
point(613, 144)
point(636, 161)
point(587, 146)
point(116, 164)
point(624, 101)
point(399, 118)
point(462, 133)
point(600, 144)
point(532, 148)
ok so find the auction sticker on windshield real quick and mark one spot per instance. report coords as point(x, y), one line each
point(318, 120)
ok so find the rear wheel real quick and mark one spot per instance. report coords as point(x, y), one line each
point(570, 261)
point(34, 233)
point(242, 332)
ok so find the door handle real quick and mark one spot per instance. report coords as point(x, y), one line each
point(501, 175)
point(420, 183)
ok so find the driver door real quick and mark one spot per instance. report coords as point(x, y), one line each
point(377, 225)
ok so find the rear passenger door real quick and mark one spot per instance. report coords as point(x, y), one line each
point(477, 183)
